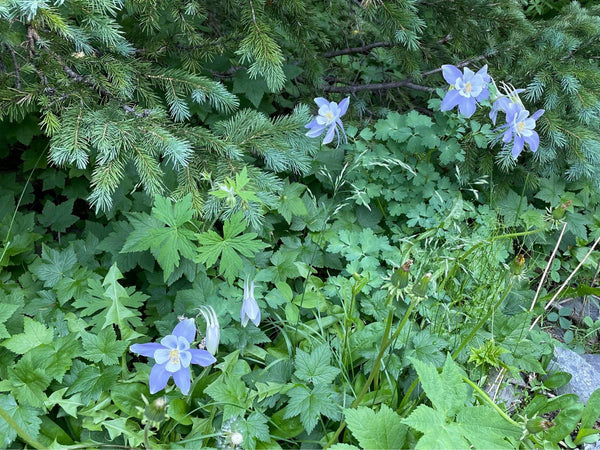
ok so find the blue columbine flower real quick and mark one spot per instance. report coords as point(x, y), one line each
point(466, 89)
point(520, 129)
point(508, 95)
point(173, 357)
point(330, 114)
point(213, 331)
point(250, 310)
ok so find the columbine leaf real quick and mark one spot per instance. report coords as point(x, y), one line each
point(58, 217)
point(228, 247)
point(164, 233)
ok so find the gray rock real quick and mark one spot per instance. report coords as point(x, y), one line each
point(593, 360)
point(586, 378)
point(582, 307)
point(594, 446)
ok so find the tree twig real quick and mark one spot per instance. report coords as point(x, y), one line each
point(378, 87)
point(17, 68)
point(364, 49)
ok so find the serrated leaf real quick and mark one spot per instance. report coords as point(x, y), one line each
point(91, 382)
point(228, 248)
point(232, 392)
point(69, 405)
point(314, 367)
point(164, 233)
point(382, 429)
point(310, 405)
point(58, 217)
point(34, 334)
point(25, 416)
point(104, 347)
point(6, 311)
point(54, 265)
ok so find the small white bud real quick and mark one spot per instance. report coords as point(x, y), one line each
point(236, 439)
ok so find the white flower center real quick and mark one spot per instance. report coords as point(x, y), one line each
point(520, 127)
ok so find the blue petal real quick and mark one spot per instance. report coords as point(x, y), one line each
point(536, 115)
point(517, 147)
point(311, 124)
point(316, 131)
point(485, 93)
point(467, 106)
point(170, 341)
point(484, 74)
point(162, 355)
point(344, 106)
point(320, 101)
point(533, 141)
point(202, 357)
point(330, 133)
point(256, 319)
point(450, 100)
point(158, 378)
point(185, 357)
point(182, 380)
point(186, 329)
point(339, 122)
point(451, 73)
point(146, 349)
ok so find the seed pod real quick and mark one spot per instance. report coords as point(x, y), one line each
point(516, 266)
point(156, 411)
point(538, 424)
point(400, 276)
point(420, 289)
point(560, 210)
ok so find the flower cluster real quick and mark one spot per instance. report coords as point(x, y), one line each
point(174, 355)
point(468, 88)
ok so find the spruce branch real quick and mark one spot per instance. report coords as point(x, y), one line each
point(352, 88)
point(363, 49)
point(16, 67)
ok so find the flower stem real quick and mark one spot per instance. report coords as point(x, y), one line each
point(20, 431)
point(488, 400)
point(385, 342)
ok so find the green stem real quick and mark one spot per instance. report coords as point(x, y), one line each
point(488, 400)
point(147, 437)
point(20, 431)
point(385, 342)
point(521, 200)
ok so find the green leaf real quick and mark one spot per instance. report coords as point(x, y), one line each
point(446, 391)
point(91, 382)
point(383, 429)
point(25, 416)
point(69, 405)
point(54, 265)
point(232, 393)
point(254, 428)
point(34, 334)
point(27, 382)
point(58, 217)
point(6, 311)
point(229, 247)
point(485, 428)
point(314, 367)
point(290, 202)
point(164, 233)
point(103, 347)
point(112, 304)
point(310, 404)
point(425, 419)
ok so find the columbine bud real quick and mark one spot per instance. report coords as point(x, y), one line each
point(213, 332)
point(156, 411)
point(516, 266)
point(538, 424)
point(420, 289)
point(400, 276)
point(560, 210)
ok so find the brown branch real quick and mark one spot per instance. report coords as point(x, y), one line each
point(363, 49)
point(402, 83)
point(378, 87)
point(17, 68)
point(80, 78)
